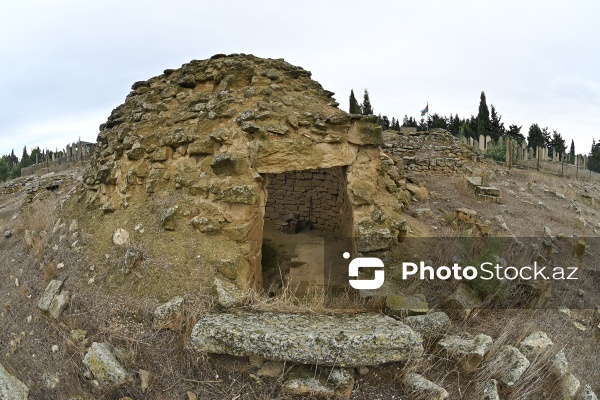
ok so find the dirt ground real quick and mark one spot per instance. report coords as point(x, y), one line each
point(46, 356)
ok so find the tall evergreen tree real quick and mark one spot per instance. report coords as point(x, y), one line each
point(367, 109)
point(557, 143)
point(483, 117)
point(25, 158)
point(572, 153)
point(354, 106)
point(496, 127)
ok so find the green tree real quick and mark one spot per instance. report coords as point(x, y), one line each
point(354, 106)
point(25, 158)
point(514, 132)
point(594, 157)
point(438, 121)
point(557, 143)
point(483, 117)
point(535, 137)
point(4, 168)
point(496, 127)
point(422, 125)
point(572, 153)
point(367, 108)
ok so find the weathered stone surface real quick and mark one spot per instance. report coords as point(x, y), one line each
point(271, 369)
point(169, 315)
point(587, 393)
point(104, 366)
point(419, 387)
point(535, 345)
point(208, 132)
point(228, 294)
point(324, 382)
point(462, 301)
point(342, 340)
point(59, 303)
point(406, 304)
point(50, 292)
point(11, 388)
point(569, 386)
point(509, 364)
point(430, 326)
point(120, 237)
point(468, 350)
point(490, 390)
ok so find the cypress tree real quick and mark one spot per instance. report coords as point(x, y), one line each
point(354, 106)
point(483, 117)
point(367, 109)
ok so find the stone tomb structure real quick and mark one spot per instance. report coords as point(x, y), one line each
point(209, 150)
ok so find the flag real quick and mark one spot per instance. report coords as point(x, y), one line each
point(425, 110)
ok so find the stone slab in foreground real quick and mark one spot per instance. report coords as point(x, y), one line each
point(333, 340)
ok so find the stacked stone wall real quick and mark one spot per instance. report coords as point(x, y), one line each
point(290, 192)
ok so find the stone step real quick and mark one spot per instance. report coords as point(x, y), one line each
point(342, 340)
point(488, 190)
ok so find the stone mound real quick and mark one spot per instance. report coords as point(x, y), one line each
point(198, 150)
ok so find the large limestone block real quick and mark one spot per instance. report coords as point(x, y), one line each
point(11, 388)
point(51, 291)
point(335, 340)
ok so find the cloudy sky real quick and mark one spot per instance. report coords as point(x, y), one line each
point(65, 64)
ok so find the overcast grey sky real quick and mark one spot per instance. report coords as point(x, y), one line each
point(65, 64)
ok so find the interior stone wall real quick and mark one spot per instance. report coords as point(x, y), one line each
point(290, 192)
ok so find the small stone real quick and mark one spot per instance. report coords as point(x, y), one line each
point(324, 382)
point(363, 370)
point(431, 325)
point(169, 315)
point(580, 292)
point(78, 335)
point(54, 348)
point(59, 303)
point(467, 349)
point(535, 345)
point(462, 302)
point(104, 366)
point(8, 233)
point(587, 393)
point(418, 386)
point(271, 369)
point(191, 396)
point(510, 364)
point(490, 390)
point(145, 378)
point(569, 386)
point(50, 292)
point(228, 294)
point(256, 361)
point(29, 319)
point(405, 304)
point(120, 237)
point(60, 266)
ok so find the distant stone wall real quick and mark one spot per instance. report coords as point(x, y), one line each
point(290, 192)
point(436, 151)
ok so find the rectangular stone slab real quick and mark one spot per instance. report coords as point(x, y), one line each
point(331, 340)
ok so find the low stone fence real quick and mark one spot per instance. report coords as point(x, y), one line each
point(436, 151)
